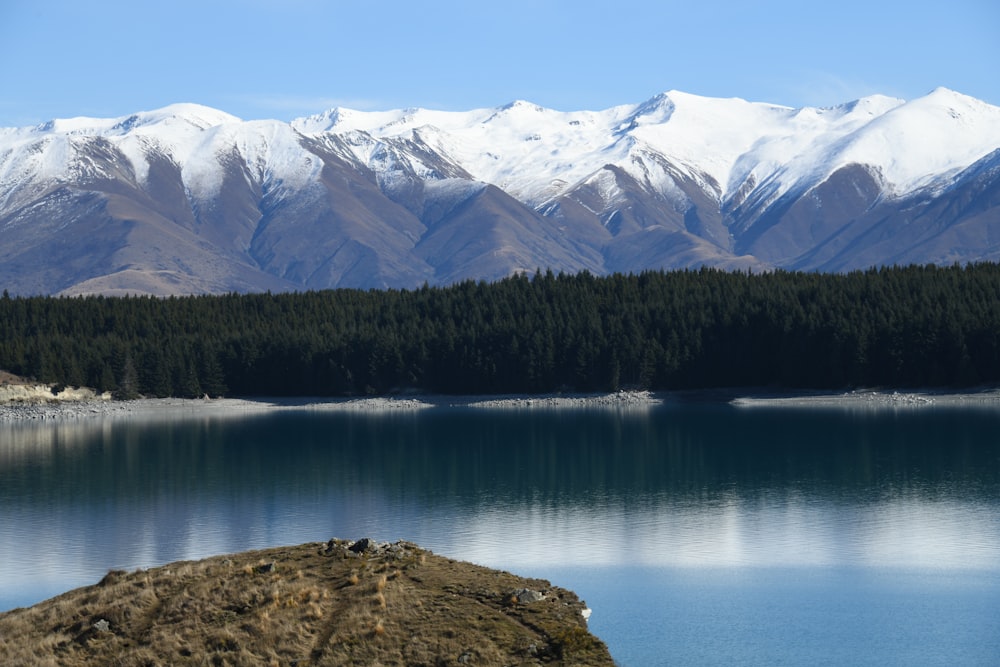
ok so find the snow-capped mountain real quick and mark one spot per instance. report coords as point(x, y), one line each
point(188, 199)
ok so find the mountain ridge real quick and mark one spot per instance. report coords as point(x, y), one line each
point(190, 199)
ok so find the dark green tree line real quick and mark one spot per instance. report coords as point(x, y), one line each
point(908, 326)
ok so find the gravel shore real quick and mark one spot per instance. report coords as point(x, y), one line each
point(149, 407)
point(631, 400)
point(877, 399)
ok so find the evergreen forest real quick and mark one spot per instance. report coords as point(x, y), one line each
point(916, 326)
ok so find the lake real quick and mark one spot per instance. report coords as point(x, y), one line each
point(700, 534)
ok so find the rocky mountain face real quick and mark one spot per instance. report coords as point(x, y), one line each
point(188, 199)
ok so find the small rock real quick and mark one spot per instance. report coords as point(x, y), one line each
point(363, 545)
point(399, 549)
point(526, 595)
point(266, 568)
point(102, 626)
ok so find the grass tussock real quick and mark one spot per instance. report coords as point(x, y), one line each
point(314, 604)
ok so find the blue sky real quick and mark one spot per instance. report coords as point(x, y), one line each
point(288, 58)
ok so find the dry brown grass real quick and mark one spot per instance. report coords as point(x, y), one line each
point(314, 604)
point(7, 377)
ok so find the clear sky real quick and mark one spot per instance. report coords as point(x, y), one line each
point(287, 58)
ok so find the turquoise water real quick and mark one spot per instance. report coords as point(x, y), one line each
point(699, 535)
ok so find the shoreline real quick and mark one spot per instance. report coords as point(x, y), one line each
point(14, 411)
point(99, 407)
point(876, 399)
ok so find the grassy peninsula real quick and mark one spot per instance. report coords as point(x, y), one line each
point(333, 603)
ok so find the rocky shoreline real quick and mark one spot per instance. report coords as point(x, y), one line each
point(877, 399)
point(42, 410)
point(92, 405)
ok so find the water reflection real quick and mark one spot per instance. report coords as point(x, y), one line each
point(677, 487)
point(697, 454)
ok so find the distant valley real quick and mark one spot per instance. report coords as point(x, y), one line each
point(191, 200)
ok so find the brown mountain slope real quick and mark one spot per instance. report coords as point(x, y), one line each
point(338, 603)
point(190, 200)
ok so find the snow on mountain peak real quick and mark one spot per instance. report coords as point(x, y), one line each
point(197, 115)
point(655, 110)
point(916, 143)
point(196, 138)
point(326, 121)
point(536, 154)
point(522, 105)
point(942, 93)
point(518, 112)
point(341, 120)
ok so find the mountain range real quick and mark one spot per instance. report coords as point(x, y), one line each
point(189, 200)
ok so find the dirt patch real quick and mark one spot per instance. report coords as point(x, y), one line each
point(9, 378)
point(334, 603)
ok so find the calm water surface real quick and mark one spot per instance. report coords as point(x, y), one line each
point(700, 535)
